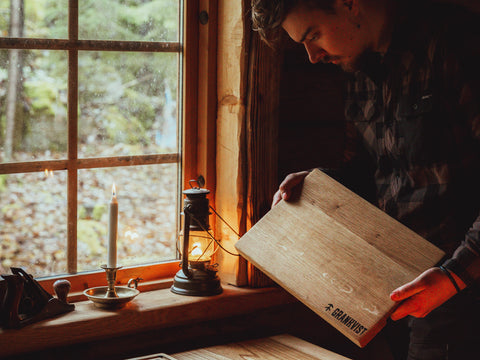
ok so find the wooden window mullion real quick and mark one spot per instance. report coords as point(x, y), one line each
point(72, 184)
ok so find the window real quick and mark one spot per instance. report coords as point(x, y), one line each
point(91, 96)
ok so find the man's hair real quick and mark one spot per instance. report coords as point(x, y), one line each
point(268, 15)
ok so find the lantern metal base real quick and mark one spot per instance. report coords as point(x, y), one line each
point(201, 282)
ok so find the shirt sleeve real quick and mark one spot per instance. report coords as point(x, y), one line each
point(465, 261)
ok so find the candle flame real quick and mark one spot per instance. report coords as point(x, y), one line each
point(48, 173)
point(114, 190)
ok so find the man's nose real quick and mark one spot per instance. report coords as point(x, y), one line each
point(315, 53)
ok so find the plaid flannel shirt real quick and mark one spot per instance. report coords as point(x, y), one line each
point(416, 111)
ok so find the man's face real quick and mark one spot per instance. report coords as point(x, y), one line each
point(333, 38)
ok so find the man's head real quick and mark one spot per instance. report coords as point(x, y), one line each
point(268, 15)
point(335, 31)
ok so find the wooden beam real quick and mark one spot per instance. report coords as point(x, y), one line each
point(190, 92)
point(88, 45)
point(72, 183)
point(231, 150)
point(128, 161)
point(89, 163)
point(207, 95)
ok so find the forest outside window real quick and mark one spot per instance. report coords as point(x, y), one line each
point(89, 96)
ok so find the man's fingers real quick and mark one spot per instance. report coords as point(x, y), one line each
point(408, 307)
point(285, 189)
point(276, 198)
point(291, 181)
point(407, 290)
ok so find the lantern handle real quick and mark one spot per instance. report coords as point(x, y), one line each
point(200, 180)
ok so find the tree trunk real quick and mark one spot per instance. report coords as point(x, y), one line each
point(14, 75)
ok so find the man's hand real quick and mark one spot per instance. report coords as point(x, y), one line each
point(424, 294)
point(285, 189)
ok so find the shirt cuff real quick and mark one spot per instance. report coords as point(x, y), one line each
point(463, 266)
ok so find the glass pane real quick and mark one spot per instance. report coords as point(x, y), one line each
point(33, 105)
point(128, 103)
point(147, 214)
point(34, 18)
point(139, 20)
point(33, 218)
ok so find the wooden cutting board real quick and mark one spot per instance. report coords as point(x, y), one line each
point(280, 347)
point(338, 254)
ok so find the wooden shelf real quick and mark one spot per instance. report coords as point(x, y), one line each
point(151, 310)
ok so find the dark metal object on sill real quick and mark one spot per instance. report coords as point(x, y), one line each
point(197, 277)
point(23, 301)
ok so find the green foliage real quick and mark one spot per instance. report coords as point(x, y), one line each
point(56, 18)
point(98, 211)
point(4, 17)
point(122, 95)
point(42, 94)
point(123, 130)
point(82, 212)
point(89, 235)
point(154, 20)
point(3, 182)
point(94, 213)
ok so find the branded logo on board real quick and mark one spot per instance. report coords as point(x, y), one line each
point(346, 320)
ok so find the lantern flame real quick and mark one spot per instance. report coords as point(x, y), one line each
point(196, 249)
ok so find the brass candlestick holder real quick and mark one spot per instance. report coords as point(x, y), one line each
point(111, 277)
point(111, 296)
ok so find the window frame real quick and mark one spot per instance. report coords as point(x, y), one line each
point(195, 145)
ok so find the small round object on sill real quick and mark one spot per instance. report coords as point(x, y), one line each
point(98, 296)
point(62, 288)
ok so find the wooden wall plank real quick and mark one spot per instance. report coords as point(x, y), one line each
point(231, 93)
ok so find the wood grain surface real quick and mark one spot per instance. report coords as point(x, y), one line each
point(280, 347)
point(338, 254)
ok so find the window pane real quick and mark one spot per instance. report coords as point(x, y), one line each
point(128, 103)
point(33, 105)
point(139, 20)
point(33, 218)
point(147, 214)
point(36, 19)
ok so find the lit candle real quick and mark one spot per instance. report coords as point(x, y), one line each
point(112, 230)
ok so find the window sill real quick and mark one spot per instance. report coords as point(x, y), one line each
point(152, 310)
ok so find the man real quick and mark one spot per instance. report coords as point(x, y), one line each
point(413, 121)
